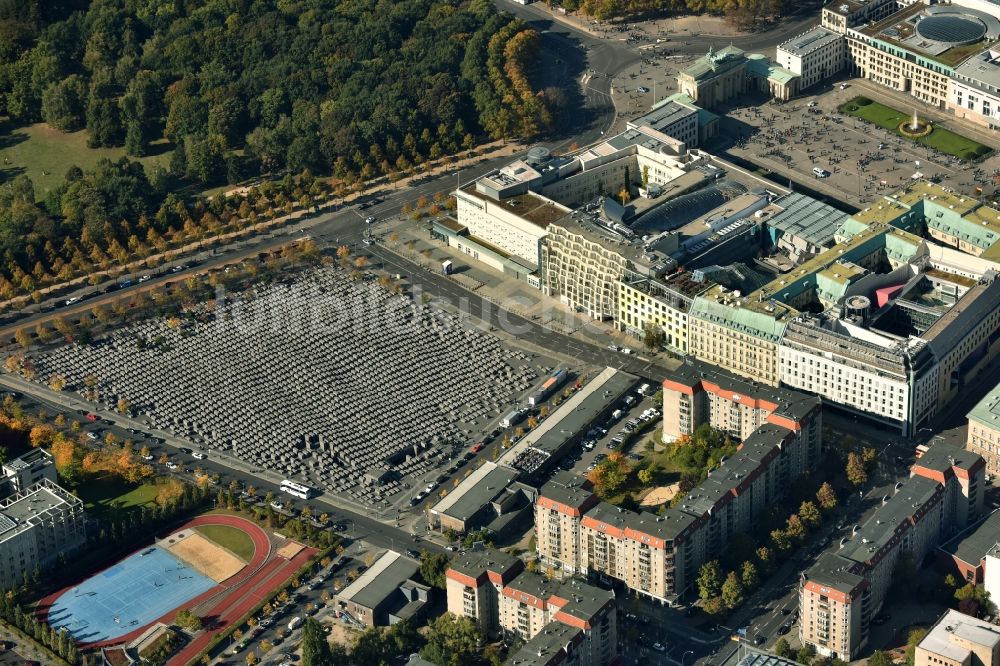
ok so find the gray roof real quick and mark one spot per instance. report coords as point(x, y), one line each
point(807, 218)
point(546, 647)
point(380, 581)
point(476, 563)
point(583, 601)
point(476, 491)
point(572, 424)
point(974, 307)
point(22, 511)
point(916, 492)
point(664, 116)
point(791, 403)
point(733, 472)
point(754, 657)
point(807, 42)
point(567, 488)
point(972, 545)
point(941, 639)
point(668, 526)
point(833, 571)
point(943, 455)
point(981, 71)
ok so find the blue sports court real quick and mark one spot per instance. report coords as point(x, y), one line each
point(133, 593)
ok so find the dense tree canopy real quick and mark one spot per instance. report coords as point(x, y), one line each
point(350, 87)
point(741, 12)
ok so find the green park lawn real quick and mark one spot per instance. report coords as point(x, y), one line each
point(940, 139)
point(44, 154)
point(234, 540)
point(111, 493)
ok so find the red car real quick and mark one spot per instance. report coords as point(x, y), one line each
point(477, 448)
point(91, 416)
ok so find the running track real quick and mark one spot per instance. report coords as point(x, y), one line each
point(228, 601)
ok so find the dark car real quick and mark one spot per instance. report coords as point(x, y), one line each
point(185, 450)
point(414, 554)
point(760, 639)
point(784, 629)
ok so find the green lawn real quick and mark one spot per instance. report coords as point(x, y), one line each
point(44, 154)
point(234, 540)
point(940, 139)
point(110, 493)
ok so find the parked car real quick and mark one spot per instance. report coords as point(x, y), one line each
point(91, 416)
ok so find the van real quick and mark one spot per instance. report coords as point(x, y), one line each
point(820, 173)
point(642, 389)
point(617, 414)
point(294, 622)
point(629, 400)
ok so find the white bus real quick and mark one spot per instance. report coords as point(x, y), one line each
point(297, 489)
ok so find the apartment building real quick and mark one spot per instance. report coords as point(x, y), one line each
point(658, 556)
point(493, 589)
point(659, 303)
point(983, 436)
point(814, 55)
point(473, 585)
point(957, 639)
point(696, 393)
point(38, 525)
point(841, 593)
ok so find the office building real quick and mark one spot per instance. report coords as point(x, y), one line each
point(840, 15)
point(843, 591)
point(38, 525)
point(660, 303)
point(957, 639)
point(984, 430)
point(814, 55)
point(27, 470)
point(492, 589)
point(916, 49)
point(975, 89)
point(886, 323)
point(966, 555)
point(386, 592)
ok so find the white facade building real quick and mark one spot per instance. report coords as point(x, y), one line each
point(36, 526)
point(814, 55)
point(975, 89)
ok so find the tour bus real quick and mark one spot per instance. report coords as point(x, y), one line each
point(297, 489)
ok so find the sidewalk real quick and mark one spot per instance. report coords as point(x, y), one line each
point(28, 650)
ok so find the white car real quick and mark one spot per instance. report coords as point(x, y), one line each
point(626, 350)
point(198, 455)
point(148, 457)
point(71, 301)
point(171, 466)
point(143, 278)
point(370, 219)
point(93, 435)
point(277, 506)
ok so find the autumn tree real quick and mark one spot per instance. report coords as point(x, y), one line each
point(709, 580)
point(827, 497)
point(732, 591)
point(856, 472)
point(809, 514)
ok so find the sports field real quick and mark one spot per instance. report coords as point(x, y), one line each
point(234, 540)
point(127, 596)
point(940, 139)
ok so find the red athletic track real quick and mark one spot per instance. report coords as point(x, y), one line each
point(237, 604)
point(226, 590)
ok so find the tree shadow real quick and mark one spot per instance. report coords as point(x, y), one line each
point(8, 174)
